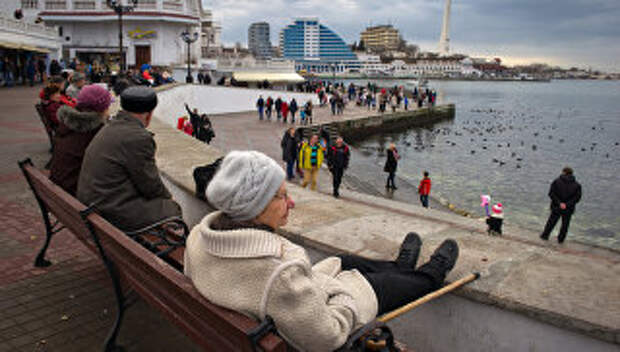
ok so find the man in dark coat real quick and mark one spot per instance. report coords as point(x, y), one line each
point(260, 105)
point(55, 68)
point(565, 193)
point(278, 106)
point(119, 175)
point(194, 119)
point(338, 161)
point(289, 151)
point(292, 107)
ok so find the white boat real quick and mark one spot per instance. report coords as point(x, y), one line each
point(422, 82)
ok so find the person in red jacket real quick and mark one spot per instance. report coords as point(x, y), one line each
point(424, 189)
point(284, 109)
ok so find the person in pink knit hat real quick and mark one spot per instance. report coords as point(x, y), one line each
point(77, 127)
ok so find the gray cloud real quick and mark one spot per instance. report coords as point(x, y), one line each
point(567, 32)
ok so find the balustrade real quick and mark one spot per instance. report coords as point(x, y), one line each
point(84, 5)
point(147, 4)
point(55, 5)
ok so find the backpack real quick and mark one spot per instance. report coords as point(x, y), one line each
point(203, 175)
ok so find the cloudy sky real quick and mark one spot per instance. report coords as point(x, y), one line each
point(582, 33)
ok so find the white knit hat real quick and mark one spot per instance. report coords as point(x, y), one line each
point(498, 208)
point(245, 184)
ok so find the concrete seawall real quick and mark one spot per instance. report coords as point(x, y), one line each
point(533, 296)
point(357, 129)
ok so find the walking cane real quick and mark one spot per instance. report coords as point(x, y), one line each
point(429, 297)
point(381, 345)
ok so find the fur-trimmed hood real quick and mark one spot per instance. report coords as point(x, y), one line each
point(79, 121)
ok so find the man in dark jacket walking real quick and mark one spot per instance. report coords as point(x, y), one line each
point(289, 152)
point(119, 175)
point(565, 193)
point(278, 106)
point(292, 106)
point(260, 105)
point(338, 161)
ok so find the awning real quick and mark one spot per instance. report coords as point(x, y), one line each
point(291, 77)
point(28, 47)
point(43, 50)
point(9, 45)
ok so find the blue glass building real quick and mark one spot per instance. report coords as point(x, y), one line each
point(316, 48)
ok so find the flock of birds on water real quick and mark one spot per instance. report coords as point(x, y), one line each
point(494, 133)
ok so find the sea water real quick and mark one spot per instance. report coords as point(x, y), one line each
point(510, 140)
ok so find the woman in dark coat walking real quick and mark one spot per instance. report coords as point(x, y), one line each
point(390, 165)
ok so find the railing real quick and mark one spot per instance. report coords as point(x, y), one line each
point(147, 4)
point(12, 25)
point(55, 5)
point(84, 5)
point(30, 4)
point(173, 5)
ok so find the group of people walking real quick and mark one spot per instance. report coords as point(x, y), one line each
point(307, 157)
point(282, 109)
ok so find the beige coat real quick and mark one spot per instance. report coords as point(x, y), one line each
point(260, 273)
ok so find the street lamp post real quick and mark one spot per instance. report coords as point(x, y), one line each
point(189, 39)
point(119, 8)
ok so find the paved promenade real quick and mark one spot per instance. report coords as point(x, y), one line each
point(70, 305)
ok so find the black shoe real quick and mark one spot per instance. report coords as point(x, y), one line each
point(409, 251)
point(545, 238)
point(445, 255)
point(394, 187)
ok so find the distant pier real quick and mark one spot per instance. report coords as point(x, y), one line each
point(355, 128)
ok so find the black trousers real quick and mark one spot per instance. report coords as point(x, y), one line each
point(553, 220)
point(337, 178)
point(394, 286)
point(390, 179)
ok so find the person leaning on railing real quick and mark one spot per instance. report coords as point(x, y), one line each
point(236, 259)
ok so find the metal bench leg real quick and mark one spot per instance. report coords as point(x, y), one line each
point(110, 344)
point(110, 341)
point(40, 261)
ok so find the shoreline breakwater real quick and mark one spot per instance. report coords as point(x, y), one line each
point(358, 128)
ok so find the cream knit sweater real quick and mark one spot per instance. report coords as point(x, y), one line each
point(259, 273)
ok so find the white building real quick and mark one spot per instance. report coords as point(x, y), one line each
point(89, 29)
point(23, 36)
point(210, 42)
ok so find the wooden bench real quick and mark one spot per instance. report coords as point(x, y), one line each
point(159, 280)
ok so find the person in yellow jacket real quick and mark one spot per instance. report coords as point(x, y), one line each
point(310, 160)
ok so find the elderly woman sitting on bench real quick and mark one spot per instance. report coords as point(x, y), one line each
point(236, 259)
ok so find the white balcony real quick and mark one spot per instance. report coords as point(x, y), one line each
point(55, 5)
point(22, 27)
